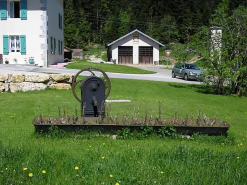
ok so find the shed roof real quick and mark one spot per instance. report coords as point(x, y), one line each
point(66, 49)
point(136, 30)
point(80, 50)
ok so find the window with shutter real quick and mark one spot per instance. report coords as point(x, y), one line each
point(3, 9)
point(14, 9)
point(23, 9)
point(5, 44)
point(15, 45)
point(23, 45)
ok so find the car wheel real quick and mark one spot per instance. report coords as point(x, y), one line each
point(173, 74)
point(186, 77)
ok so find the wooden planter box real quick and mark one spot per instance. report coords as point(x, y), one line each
point(219, 127)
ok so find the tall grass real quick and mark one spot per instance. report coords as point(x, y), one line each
point(198, 160)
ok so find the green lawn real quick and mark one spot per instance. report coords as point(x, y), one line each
point(108, 67)
point(200, 160)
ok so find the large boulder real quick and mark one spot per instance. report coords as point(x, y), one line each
point(3, 77)
point(15, 87)
point(2, 87)
point(61, 77)
point(17, 78)
point(37, 78)
point(60, 86)
point(27, 86)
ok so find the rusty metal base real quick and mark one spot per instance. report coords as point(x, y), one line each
point(107, 125)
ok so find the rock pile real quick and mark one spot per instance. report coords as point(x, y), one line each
point(21, 82)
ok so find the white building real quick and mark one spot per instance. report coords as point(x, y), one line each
point(31, 31)
point(134, 48)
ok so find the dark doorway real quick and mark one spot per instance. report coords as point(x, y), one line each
point(125, 55)
point(68, 55)
point(145, 55)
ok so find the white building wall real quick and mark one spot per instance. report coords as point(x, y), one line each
point(54, 8)
point(128, 41)
point(32, 28)
point(41, 24)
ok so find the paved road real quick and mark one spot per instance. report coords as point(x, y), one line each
point(160, 75)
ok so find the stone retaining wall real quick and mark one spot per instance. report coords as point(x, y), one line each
point(22, 82)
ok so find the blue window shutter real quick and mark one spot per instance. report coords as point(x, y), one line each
point(23, 9)
point(23, 45)
point(5, 44)
point(3, 9)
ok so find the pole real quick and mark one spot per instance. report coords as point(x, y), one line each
point(167, 62)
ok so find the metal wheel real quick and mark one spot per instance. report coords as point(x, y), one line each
point(91, 69)
point(173, 74)
point(186, 77)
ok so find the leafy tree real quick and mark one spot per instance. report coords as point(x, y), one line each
point(124, 20)
point(227, 64)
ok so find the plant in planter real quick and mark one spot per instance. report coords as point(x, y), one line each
point(15, 60)
point(6, 61)
point(31, 60)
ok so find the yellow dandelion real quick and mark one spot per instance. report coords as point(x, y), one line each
point(6, 169)
point(241, 144)
point(130, 158)
point(87, 149)
point(134, 150)
point(161, 172)
point(243, 139)
point(117, 183)
point(111, 176)
point(14, 170)
point(102, 157)
point(30, 174)
point(90, 146)
point(76, 168)
point(77, 175)
point(237, 157)
point(24, 169)
point(43, 171)
point(103, 143)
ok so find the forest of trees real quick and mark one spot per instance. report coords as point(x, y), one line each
point(103, 21)
point(171, 21)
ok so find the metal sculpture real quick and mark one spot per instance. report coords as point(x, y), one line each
point(93, 92)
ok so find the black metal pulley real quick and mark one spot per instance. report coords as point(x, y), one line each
point(94, 92)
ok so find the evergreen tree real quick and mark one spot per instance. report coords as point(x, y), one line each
point(82, 32)
point(70, 25)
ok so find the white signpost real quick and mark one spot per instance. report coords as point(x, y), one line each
point(168, 52)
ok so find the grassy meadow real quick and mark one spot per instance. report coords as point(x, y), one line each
point(93, 158)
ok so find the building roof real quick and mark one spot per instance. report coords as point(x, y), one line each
point(136, 30)
point(79, 50)
point(67, 49)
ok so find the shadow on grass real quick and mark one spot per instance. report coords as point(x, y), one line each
point(204, 89)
